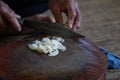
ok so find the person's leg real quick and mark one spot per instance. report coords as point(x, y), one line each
point(113, 61)
point(27, 8)
point(3, 78)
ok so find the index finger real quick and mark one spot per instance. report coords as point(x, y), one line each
point(58, 15)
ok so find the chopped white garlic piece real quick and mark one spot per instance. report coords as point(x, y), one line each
point(48, 46)
point(53, 53)
point(46, 39)
point(32, 46)
point(37, 42)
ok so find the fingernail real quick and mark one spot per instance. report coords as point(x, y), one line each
point(18, 16)
point(70, 25)
point(19, 29)
point(53, 21)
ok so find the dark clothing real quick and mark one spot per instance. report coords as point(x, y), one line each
point(27, 7)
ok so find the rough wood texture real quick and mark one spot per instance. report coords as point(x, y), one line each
point(82, 61)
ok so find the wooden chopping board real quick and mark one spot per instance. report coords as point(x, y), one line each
point(81, 61)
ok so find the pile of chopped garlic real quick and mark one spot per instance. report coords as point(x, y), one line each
point(48, 46)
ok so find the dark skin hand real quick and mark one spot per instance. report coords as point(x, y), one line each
point(7, 14)
point(70, 8)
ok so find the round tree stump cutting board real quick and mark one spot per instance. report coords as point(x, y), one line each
point(81, 61)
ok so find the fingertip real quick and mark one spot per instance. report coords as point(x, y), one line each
point(19, 29)
point(70, 23)
point(18, 16)
point(17, 26)
point(52, 19)
point(70, 26)
point(74, 28)
point(78, 26)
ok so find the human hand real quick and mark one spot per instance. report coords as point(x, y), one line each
point(26, 30)
point(70, 8)
point(7, 14)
